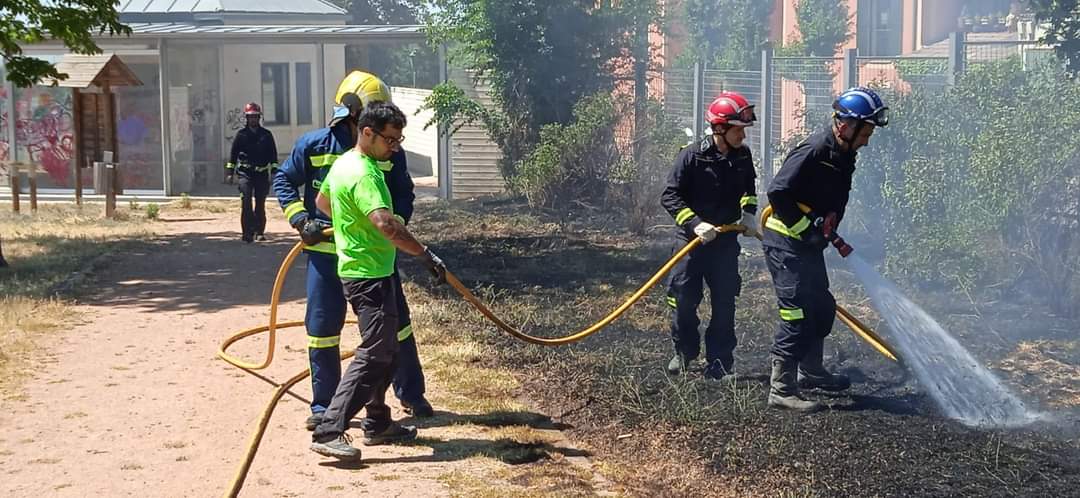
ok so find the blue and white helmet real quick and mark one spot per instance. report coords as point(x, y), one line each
point(862, 104)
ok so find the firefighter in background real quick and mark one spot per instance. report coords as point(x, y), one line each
point(305, 169)
point(808, 197)
point(251, 162)
point(711, 183)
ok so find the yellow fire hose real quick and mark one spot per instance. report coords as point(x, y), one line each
point(256, 437)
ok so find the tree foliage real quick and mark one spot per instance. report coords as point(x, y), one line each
point(726, 34)
point(1062, 18)
point(540, 58)
point(382, 12)
point(72, 22)
point(824, 25)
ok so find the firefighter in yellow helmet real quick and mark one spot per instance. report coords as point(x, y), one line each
point(305, 169)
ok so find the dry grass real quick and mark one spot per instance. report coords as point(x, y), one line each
point(186, 207)
point(45, 250)
point(1044, 365)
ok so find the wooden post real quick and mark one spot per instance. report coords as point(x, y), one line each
point(78, 182)
point(110, 191)
point(14, 187)
point(31, 175)
point(77, 152)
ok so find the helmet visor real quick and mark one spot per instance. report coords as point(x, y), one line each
point(880, 117)
point(745, 117)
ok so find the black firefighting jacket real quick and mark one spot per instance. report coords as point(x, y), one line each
point(817, 174)
point(705, 185)
point(257, 148)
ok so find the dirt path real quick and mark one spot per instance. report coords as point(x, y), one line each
point(133, 400)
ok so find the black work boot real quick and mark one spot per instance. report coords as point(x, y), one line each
point(812, 373)
point(784, 390)
point(678, 364)
point(419, 409)
point(394, 433)
point(720, 370)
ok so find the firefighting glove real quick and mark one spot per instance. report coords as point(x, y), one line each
point(815, 234)
point(750, 222)
point(312, 232)
point(434, 265)
point(229, 177)
point(705, 231)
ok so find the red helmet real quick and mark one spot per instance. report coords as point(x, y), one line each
point(252, 109)
point(730, 108)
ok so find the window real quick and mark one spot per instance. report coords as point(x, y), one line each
point(275, 93)
point(303, 93)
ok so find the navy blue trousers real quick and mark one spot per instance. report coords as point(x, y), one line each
point(717, 265)
point(807, 308)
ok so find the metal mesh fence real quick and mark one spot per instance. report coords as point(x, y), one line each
point(803, 89)
point(976, 52)
point(679, 96)
point(748, 83)
point(902, 74)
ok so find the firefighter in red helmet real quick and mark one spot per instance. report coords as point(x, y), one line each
point(252, 162)
point(711, 183)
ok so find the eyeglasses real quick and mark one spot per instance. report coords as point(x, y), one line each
point(391, 141)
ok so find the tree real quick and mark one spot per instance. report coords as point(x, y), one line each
point(1062, 20)
point(72, 22)
point(824, 25)
point(727, 34)
point(540, 58)
point(382, 12)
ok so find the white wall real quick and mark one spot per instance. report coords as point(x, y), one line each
point(241, 83)
point(421, 145)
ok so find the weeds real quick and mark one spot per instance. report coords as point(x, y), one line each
point(185, 201)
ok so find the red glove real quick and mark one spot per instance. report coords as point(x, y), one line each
point(828, 229)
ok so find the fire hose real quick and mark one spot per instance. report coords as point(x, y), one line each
point(238, 481)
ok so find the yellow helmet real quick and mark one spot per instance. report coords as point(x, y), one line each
point(366, 86)
point(355, 91)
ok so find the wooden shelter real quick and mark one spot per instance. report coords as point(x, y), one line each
point(92, 78)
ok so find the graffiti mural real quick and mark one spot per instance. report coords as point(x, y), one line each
point(44, 130)
point(234, 122)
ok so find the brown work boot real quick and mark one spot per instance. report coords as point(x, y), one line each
point(783, 389)
point(812, 373)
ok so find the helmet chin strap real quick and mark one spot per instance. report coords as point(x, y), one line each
point(723, 136)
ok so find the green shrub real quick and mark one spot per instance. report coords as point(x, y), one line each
point(572, 161)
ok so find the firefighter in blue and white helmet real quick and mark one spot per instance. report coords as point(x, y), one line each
point(808, 197)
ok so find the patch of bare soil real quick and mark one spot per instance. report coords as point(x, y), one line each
point(132, 400)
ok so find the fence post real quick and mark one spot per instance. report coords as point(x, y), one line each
point(110, 191)
point(765, 152)
point(698, 106)
point(851, 68)
point(956, 56)
point(14, 175)
point(445, 167)
point(78, 182)
point(31, 176)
